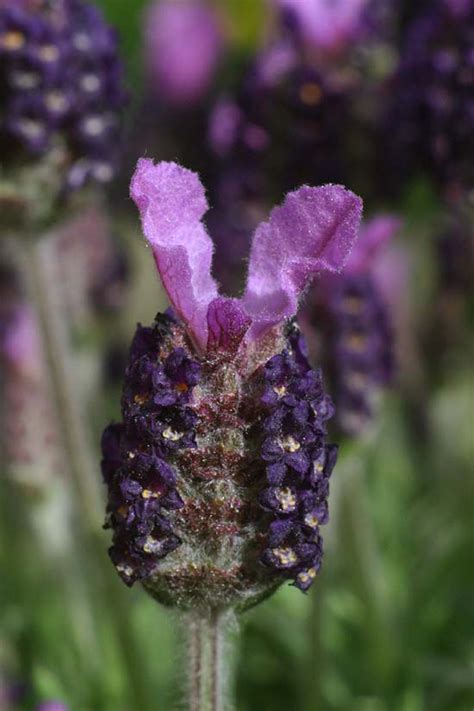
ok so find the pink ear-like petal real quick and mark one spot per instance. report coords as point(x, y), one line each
point(313, 231)
point(171, 202)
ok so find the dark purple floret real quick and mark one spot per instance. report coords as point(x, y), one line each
point(138, 455)
point(60, 79)
point(299, 463)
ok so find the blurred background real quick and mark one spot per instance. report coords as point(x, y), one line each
point(259, 97)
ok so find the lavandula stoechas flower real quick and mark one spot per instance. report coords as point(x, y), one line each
point(358, 340)
point(429, 125)
point(61, 93)
point(218, 474)
point(183, 42)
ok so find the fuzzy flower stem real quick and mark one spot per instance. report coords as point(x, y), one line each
point(39, 265)
point(207, 660)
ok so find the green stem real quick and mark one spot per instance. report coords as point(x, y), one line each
point(46, 296)
point(207, 661)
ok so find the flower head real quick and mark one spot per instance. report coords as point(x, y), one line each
point(218, 474)
point(60, 87)
point(429, 122)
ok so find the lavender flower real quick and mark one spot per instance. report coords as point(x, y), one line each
point(183, 43)
point(429, 124)
point(359, 338)
point(60, 88)
point(218, 474)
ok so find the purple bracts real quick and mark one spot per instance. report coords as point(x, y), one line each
point(61, 80)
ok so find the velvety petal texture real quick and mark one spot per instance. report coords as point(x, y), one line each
point(171, 202)
point(312, 232)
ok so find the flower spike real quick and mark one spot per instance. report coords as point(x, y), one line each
point(218, 474)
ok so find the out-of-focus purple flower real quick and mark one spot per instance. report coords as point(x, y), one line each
point(328, 26)
point(429, 123)
point(60, 86)
point(224, 123)
point(30, 427)
point(359, 347)
point(52, 706)
point(218, 475)
point(183, 42)
point(91, 265)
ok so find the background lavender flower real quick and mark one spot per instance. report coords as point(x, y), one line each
point(429, 122)
point(356, 330)
point(183, 42)
point(60, 87)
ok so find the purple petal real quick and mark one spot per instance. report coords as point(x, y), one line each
point(374, 235)
point(227, 324)
point(171, 202)
point(313, 231)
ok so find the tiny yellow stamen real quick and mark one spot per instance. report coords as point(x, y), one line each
point(151, 545)
point(318, 467)
point(306, 575)
point(286, 556)
point(311, 520)
point(287, 499)
point(171, 434)
point(149, 494)
point(289, 444)
point(140, 399)
point(280, 390)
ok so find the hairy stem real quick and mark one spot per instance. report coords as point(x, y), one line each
point(207, 660)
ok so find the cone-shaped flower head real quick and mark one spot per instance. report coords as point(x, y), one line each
point(60, 89)
point(218, 474)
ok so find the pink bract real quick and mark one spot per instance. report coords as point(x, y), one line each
point(313, 231)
